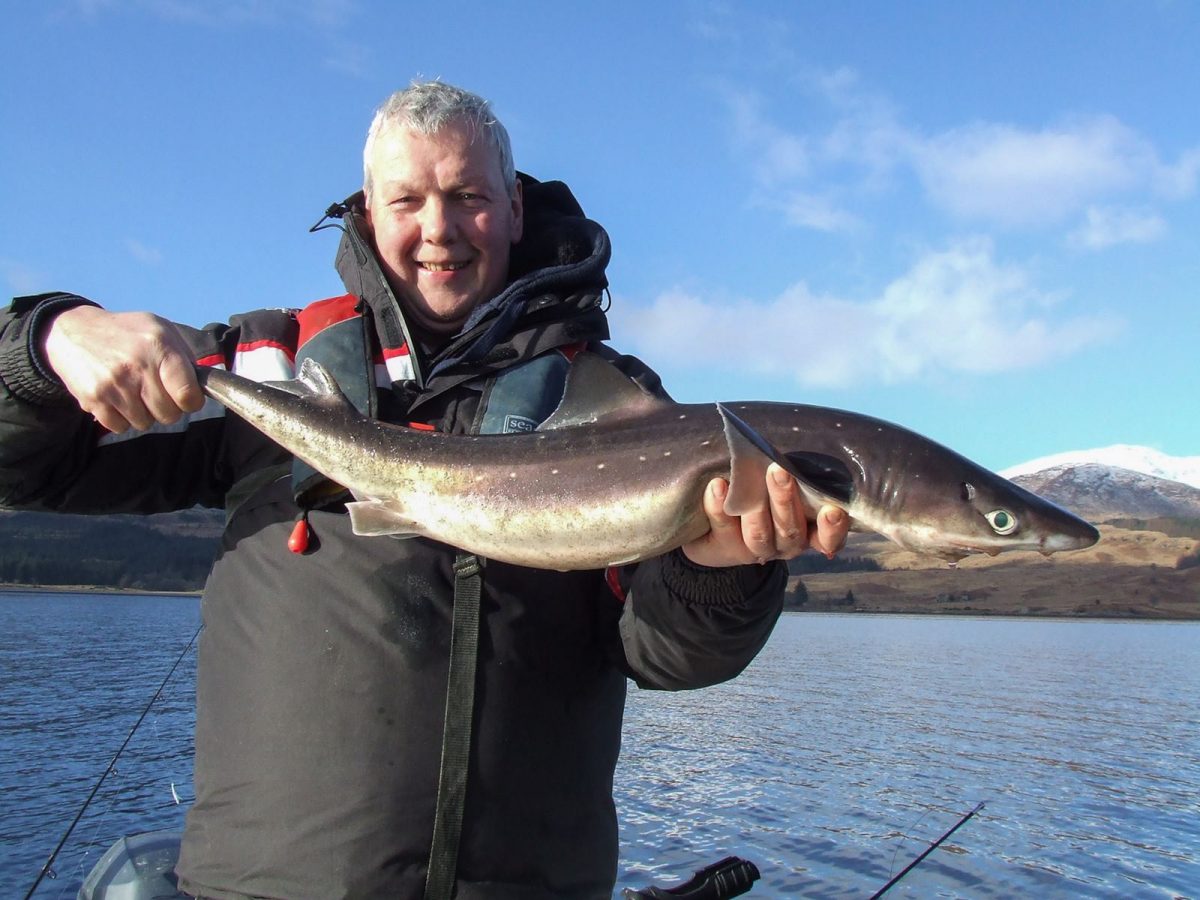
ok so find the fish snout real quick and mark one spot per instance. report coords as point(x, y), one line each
point(1079, 537)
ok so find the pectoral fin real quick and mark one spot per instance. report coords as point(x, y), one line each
point(823, 478)
point(380, 517)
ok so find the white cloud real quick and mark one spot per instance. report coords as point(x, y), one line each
point(954, 311)
point(143, 253)
point(988, 173)
point(775, 154)
point(1106, 226)
point(958, 310)
point(20, 278)
point(1179, 181)
point(351, 58)
point(319, 13)
point(818, 213)
point(1006, 175)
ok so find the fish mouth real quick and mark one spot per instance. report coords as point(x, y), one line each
point(1055, 542)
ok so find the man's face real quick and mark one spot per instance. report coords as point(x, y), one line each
point(442, 222)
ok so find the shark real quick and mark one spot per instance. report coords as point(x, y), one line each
point(617, 475)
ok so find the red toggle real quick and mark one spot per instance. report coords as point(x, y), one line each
point(298, 541)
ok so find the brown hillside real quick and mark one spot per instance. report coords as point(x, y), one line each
point(1128, 573)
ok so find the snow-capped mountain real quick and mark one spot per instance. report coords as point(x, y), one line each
point(1099, 493)
point(1115, 482)
point(1185, 469)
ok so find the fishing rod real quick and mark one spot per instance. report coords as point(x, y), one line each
point(912, 865)
point(46, 869)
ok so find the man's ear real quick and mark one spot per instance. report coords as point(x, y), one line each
point(518, 209)
point(368, 224)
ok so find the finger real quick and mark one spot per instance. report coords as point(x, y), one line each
point(110, 419)
point(118, 406)
point(178, 375)
point(159, 404)
point(758, 534)
point(830, 530)
point(719, 521)
point(171, 391)
point(722, 544)
point(787, 512)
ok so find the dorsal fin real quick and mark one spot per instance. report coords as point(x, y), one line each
point(597, 390)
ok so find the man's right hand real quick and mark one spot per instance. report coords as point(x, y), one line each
point(128, 370)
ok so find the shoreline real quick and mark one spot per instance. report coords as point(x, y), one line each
point(90, 589)
point(878, 593)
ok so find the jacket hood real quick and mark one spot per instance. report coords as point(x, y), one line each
point(556, 273)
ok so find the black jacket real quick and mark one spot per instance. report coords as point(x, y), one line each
point(322, 676)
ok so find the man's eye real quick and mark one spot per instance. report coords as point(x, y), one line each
point(471, 200)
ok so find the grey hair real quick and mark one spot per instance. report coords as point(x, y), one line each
point(426, 107)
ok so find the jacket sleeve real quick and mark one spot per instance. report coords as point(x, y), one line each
point(55, 457)
point(688, 626)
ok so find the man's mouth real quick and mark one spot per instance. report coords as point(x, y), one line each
point(442, 266)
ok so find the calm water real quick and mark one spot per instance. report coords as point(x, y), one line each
point(848, 746)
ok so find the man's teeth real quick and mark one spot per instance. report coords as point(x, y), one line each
point(442, 267)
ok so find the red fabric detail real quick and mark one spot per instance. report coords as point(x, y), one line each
point(422, 426)
point(392, 353)
point(612, 576)
point(290, 352)
point(214, 359)
point(316, 317)
point(570, 351)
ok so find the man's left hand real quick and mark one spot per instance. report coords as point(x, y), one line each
point(779, 530)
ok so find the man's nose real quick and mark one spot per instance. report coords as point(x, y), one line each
point(437, 221)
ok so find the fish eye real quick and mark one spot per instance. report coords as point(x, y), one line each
point(1002, 521)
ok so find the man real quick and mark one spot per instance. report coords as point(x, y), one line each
point(322, 685)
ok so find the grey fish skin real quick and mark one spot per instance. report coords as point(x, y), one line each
point(616, 476)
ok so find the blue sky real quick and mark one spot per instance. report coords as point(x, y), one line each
point(979, 220)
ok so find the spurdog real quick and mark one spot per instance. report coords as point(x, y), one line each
point(615, 475)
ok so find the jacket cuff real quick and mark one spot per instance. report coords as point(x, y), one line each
point(23, 367)
point(706, 586)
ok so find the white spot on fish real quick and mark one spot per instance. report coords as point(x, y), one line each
point(599, 465)
point(641, 459)
point(666, 453)
point(705, 443)
point(554, 471)
point(512, 474)
point(682, 416)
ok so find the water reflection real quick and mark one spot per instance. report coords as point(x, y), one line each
point(848, 746)
point(855, 741)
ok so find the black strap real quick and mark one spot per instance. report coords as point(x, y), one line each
point(456, 735)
